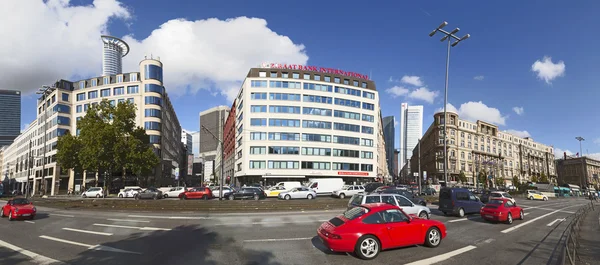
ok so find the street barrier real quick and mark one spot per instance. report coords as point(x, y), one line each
point(572, 231)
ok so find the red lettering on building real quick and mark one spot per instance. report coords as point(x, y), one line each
point(316, 69)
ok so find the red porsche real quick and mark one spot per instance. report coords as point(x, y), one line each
point(368, 229)
point(18, 208)
point(501, 210)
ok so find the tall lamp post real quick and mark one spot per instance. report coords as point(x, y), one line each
point(45, 91)
point(580, 139)
point(447, 36)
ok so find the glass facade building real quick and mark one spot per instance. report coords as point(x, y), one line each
point(411, 130)
point(10, 121)
point(389, 135)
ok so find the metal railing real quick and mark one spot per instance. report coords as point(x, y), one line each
point(571, 242)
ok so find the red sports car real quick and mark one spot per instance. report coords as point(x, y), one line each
point(501, 210)
point(370, 228)
point(18, 208)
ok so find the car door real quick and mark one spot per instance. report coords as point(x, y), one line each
point(512, 209)
point(400, 228)
point(5, 208)
point(475, 204)
point(406, 205)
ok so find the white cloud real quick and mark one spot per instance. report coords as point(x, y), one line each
point(412, 80)
point(559, 153)
point(547, 70)
point(424, 94)
point(203, 54)
point(397, 91)
point(519, 110)
point(479, 77)
point(474, 111)
point(391, 79)
point(521, 134)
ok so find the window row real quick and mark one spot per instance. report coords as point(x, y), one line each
point(106, 80)
point(316, 77)
point(261, 164)
point(312, 98)
point(115, 92)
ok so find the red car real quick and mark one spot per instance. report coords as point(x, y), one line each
point(501, 210)
point(197, 193)
point(370, 228)
point(18, 208)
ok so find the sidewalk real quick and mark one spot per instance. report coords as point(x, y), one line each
point(588, 251)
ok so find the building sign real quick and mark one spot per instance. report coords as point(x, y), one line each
point(314, 69)
point(353, 173)
point(190, 164)
point(424, 175)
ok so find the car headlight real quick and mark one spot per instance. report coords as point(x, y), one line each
point(34, 209)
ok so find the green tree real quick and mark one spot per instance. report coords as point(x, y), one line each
point(482, 177)
point(543, 177)
point(534, 178)
point(515, 181)
point(67, 155)
point(141, 159)
point(462, 177)
point(499, 182)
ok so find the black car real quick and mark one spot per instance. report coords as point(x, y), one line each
point(407, 194)
point(246, 193)
point(149, 193)
point(370, 187)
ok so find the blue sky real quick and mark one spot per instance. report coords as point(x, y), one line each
point(389, 40)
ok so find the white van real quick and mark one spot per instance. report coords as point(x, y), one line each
point(288, 185)
point(325, 186)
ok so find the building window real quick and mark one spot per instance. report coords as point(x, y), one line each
point(284, 123)
point(366, 142)
point(284, 96)
point(280, 136)
point(284, 75)
point(80, 96)
point(313, 151)
point(366, 155)
point(347, 102)
point(154, 139)
point(283, 164)
point(284, 109)
point(285, 84)
point(258, 150)
point(318, 87)
point(469, 156)
point(366, 167)
point(346, 82)
point(355, 83)
point(82, 85)
point(258, 95)
point(367, 117)
point(65, 97)
point(317, 99)
point(273, 74)
point(258, 122)
point(317, 77)
point(130, 100)
point(152, 113)
point(346, 153)
point(133, 77)
point(258, 83)
point(346, 127)
point(153, 100)
point(106, 80)
point(132, 89)
point(153, 72)
point(309, 137)
point(262, 74)
point(258, 108)
point(86, 107)
point(112, 103)
point(347, 91)
point(307, 76)
point(336, 80)
point(105, 92)
point(327, 78)
point(257, 164)
point(346, 140)
point(316, 111)
point(367, 129)
point(368, 95)
point(79, 108)
point(284, 150)
point(153, 88)
point(364, 85)
point(316, 165)
point(295, 75)
point(345, 166)
point(118, 91)
point(119, 79)
point(258, 136)
point(316, 124)
point(93, 94)
point(152, 125)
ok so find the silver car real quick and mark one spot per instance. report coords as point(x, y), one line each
point(298, 193)
point(404, 203)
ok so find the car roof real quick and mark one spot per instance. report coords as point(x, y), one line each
point(455, 189)
point(379, 206)
point(500, 199)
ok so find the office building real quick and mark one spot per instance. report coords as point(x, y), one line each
point(211, 135)
point(297, 122)
point(383, 173)
point(411, 129)
point(389, 133)
point(66, 102)
point(10, 118)
point(229, 144)
point(475, 148)
point(188, 143)
point(579, 172)
point(113, 51)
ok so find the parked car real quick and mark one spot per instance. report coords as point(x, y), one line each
point(458, 201)
point(173, 192)
point(429, 191)
point(348, 190)
point(275, 190)
point(288, 185)
point(97, 192)
point(129, 193)
point(536, 195)
point(197, 193)
point(325, 186)
point(216, 190)
point(149, 193)
point(298, 193)
point(501, 210)
point(370, 187)
point(503, 195)
point(371, 228)
point(394, 199)
point(246, 193)
point(18, 208)
point(407, 194)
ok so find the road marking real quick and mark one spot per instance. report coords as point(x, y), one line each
point(90, 247)
point(136, 227)
point(442, 257)
point(464, 219)
point(37, 258)
point(63, 215)
point(530, 221)
point(548, 209)
point(270, 223)
point(88, 232)
point(31, 222)
point(128, 220)
point(557, 220)
point(170, 217)
point(277, 239)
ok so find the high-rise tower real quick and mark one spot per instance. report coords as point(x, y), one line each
point(112, 53)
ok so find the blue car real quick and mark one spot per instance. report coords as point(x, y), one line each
point(459, 202)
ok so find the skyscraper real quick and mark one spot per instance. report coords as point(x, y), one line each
point(10, 120)
point(411, 129)
point(186, 139)
point(389, 135)
point(113, 51)
point(211, 126)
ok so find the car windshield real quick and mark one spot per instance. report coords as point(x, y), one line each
point(94, 189)
point(20, 201)
point(506, 195)
point(495, 202)
point(355, 213)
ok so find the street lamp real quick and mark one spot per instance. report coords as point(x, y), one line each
point(45, 91)
point(447, 36)
point(579, 138)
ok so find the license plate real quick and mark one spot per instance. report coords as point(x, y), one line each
point(27, 214)
point(489, 216)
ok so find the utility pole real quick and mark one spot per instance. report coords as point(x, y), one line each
point(583, 173)
point(29, 166)
point(419, 180)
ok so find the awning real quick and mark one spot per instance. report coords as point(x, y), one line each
point(282, 177)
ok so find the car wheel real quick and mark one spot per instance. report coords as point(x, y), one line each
point(287, 197)
point(424, 215)
point(509, 219)
point(136, 197)
point(342, 195)
point(154, 197)
point(10, 218)
point(433, 237)
point(309, 196)
point(256, 197)
point(461, 212)
point(2, 213)
point(545, 198)
point(531, 198)
point(120, 195)
point(231, 197)
point(521, 215)
point(85, 196)
point(204, 197)
point(97, 195)
point(166, 196)
point(367, 247)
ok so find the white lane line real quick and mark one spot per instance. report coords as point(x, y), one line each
point(557, 220)
point(442, 257)
point(90, 247)
point(547, 209)
point(145, 228)
point(170, 217)
point(67, 241)
point(128, 220)
point(277, 239)
point(464, 219)
point(530, 221)
point(37, 258)
point(88, 232)
point(31, 222)
point(270, 223)
point(63, 215)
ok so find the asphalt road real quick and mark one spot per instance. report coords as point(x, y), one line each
point(88, 237)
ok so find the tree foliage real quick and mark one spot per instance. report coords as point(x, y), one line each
point(534, 178)
point(462, 177)
point(543, 177)
point(515, 181)
point(482, 177)
point(108, 142)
